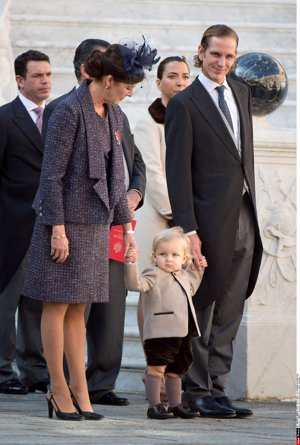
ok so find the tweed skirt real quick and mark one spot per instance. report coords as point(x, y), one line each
point(82, 278)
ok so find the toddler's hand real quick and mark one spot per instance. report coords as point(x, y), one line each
point(203, 262)
point(131, 255)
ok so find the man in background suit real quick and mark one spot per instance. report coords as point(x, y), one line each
point(21, 151)
point(210, 148)
point(105, 323)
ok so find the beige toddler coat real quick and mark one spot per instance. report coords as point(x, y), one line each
point(165, 299)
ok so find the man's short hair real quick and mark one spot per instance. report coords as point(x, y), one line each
point(84, 50)
point(22, 60)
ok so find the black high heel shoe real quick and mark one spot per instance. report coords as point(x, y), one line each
point(59, 414)
point(88, 415)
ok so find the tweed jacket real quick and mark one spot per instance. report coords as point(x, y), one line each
point(21, 154)
point(166, 299)
point(76, 184)
point(134, 161)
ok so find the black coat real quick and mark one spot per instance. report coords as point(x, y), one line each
point(21, 152)
point(205, 176)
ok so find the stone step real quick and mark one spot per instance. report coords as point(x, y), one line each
point(133, 351)
point(33, 27)
point(224, 11)
point(131, 312)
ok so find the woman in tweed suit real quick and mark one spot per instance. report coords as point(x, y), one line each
point(81, 193)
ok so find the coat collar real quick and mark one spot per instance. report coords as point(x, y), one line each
point(179, 276)
point(158, 111)
point(241, 96)
point(116, 179)
point(23, 120)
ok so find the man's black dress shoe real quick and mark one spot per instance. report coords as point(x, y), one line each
point(240, 412)
point(13, 386)
point(208, 407)
point(110, 398)
point(41, 386)
point(159, 412)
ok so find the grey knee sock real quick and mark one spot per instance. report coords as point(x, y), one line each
point(173, 390)
point(152, 386)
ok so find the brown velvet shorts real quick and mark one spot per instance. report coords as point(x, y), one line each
point(175, 352)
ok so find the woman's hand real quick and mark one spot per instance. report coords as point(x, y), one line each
point(59, 244)
point(133, 198)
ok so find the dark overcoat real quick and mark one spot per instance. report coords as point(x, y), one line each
point(21, 153)
point(205, 176)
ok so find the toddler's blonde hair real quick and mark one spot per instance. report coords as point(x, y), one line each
point(172, 233)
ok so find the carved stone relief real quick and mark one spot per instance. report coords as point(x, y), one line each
point(276, 203)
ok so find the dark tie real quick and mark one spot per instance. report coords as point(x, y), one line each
point(223, 105)
point(39, 111)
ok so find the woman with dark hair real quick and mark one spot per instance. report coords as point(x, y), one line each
point(81, 194)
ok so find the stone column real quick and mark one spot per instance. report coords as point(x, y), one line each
point(264, 365)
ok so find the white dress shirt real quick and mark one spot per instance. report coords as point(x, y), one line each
point(210, 87)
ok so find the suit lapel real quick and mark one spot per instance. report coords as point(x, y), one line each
point(210, 113)
point(23, 120)
point(91, 124)
point(117, 176)
point(183, 283)
point(242, 101)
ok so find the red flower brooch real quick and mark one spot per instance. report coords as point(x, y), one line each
point(118, 137)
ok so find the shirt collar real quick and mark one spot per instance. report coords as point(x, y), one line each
point(28, 104)
point(209, 84)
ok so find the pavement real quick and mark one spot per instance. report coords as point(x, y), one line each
point(23, 420)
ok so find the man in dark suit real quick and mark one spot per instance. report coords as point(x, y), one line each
point(105, 323)
point(210, 175)
point(21, 151)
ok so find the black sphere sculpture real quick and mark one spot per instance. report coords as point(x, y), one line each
point(266, 79)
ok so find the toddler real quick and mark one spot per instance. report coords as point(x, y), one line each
point(169, 318)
